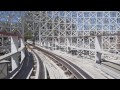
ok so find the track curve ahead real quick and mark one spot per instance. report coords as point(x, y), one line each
point(78, 72)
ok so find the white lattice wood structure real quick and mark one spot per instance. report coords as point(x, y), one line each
point(84, 31)
point(12, 28)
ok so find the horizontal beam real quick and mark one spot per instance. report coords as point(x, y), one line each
point(100, 51)
point(10, 34)
point(10, 54)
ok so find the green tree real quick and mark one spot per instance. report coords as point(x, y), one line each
point(27, 35)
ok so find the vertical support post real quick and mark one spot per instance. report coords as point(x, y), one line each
point(48, 45)
point(97, 47)
point(39, 39)
point(98, 57)
point(40, 44)
point(22, 51)
point(2, 40)
point(14, 48)
point(55, 43)
point(33, 34)
point(68, 44)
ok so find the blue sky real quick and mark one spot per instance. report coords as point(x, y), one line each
point(4, 15)
point(107, 19)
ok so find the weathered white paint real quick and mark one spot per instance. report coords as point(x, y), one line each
point(14, 48)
